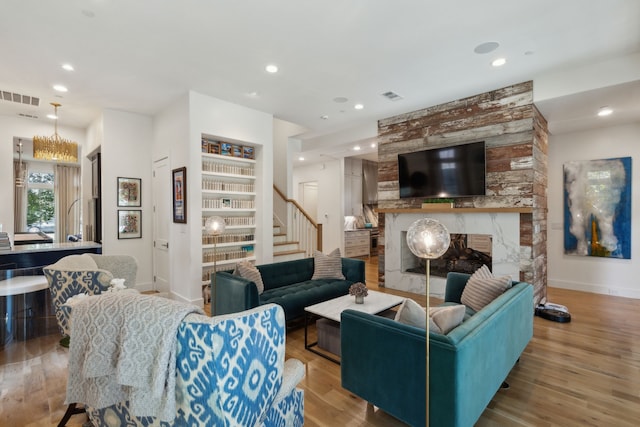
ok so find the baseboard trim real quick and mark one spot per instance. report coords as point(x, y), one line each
point(594, 288)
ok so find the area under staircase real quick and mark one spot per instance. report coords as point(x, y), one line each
point(299, 237)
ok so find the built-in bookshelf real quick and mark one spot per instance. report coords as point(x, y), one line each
point(228, 191)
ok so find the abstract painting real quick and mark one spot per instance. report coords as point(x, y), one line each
point(597, 208)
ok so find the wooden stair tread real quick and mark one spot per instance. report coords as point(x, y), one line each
point(285, 243)
point(297, 251)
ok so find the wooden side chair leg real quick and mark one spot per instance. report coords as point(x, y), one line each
point(71, 410)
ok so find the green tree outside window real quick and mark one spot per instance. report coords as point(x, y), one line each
point(40, 200)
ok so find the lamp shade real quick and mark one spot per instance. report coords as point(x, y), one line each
point(214, 225)
point(428, 238)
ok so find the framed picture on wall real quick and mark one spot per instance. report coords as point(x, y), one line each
point(129, 192)
point(179, 180)
point(129, 224)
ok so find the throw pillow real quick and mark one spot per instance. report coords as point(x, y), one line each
point(444, 319)
point(441, 319)
point(411, 313)
point(250, 272)
point(483, 287)
point(327, 266)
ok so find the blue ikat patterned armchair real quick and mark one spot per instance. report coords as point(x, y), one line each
point(89, 274)
point(230, 372)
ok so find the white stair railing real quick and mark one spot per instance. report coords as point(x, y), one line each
point(300, 226)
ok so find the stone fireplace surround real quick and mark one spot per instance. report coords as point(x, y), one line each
point(504, 227)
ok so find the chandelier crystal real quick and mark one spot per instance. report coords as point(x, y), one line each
point(55, 147)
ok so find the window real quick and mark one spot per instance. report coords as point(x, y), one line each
point(40, 199)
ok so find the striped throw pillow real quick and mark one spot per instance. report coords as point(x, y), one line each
point(483, 287)
point(250, 272)
point(327, 266)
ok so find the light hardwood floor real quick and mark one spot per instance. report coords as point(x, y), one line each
point(583, 373)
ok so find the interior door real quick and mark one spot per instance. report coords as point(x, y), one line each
point(161, 220)
point(308, 192)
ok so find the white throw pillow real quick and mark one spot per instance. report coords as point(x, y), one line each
point(441, 319)
point(411, 313)
point(327, 266)
point(483, 287)
point(444, 319)
point(250, 272)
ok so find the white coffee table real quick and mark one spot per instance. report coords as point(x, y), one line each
point(375, 302)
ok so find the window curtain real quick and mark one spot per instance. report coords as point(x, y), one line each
point(67, 199)
point(19, 199)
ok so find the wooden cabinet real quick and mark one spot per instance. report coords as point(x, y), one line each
point(357, 243)
point(228, 191)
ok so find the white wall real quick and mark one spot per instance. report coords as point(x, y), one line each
point(283, 142)
point(15, 126)
point(178, 130)
point(126, 148)
point(330, 178)
point(171, 140)
point(592, 274)
point(282, 161)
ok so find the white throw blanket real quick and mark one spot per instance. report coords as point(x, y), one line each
point(123, 347)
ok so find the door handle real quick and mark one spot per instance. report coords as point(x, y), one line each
point(165, 245)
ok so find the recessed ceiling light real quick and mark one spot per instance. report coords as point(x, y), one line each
point(340, 99)
point(52, 116)
point(498, 62)
point(67, 67)
point(60, 88)
point(487, 47)
point(271, 68)
point(356, 148)
point(605, 111)
point(358, 106)
point(325, 117)
point(373, 145)
point(301, 158)
point(253, 94)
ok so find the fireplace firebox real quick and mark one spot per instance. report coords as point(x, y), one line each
point(466, 253)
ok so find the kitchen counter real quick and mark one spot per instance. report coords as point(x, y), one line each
point(26, 310)
point(41, 254)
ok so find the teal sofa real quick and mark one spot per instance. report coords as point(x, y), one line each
point(383, 361)
point(287, 284)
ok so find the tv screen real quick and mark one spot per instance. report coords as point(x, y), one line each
point(457, 171)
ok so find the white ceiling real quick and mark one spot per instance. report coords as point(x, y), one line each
point(141, 55)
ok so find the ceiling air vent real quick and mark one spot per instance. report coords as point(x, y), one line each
point(22, 99)
point(392, 96)
point(28, 116)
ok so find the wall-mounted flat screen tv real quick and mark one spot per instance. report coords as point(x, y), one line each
point(456, 171)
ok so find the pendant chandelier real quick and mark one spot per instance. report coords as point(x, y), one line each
point(54, 147)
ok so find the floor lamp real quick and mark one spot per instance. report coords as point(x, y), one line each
point(214, 226)
point(427, 238)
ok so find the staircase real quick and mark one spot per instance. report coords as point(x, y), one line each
point(301, 235)
point(284, 250)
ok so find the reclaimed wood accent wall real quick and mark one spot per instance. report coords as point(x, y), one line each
point(515, 134)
